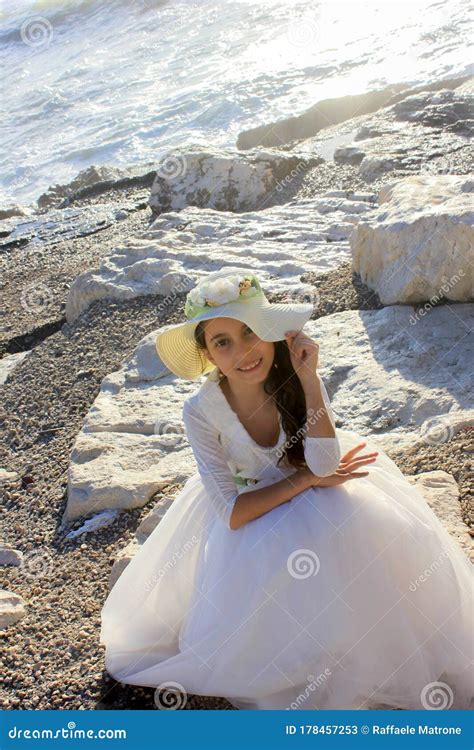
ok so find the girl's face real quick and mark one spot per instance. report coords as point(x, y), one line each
point(232, 346)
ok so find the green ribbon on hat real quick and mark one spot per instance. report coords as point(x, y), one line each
point(192, 310)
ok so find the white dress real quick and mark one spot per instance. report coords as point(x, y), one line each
point(347, 597)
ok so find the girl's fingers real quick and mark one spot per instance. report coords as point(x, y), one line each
point(363, 457)
point(352, 475)
point(358, 462)
point(351, 452)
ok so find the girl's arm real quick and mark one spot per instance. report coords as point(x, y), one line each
point(212, 466)
point(321, 447)
point(235, 509)
point(255, 503)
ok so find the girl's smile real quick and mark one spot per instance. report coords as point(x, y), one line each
point(252, 366)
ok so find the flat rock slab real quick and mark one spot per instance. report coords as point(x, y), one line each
point(132, 443)
point(181, 247)
point(396, 382)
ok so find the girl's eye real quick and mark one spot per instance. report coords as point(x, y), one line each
point(224, 341)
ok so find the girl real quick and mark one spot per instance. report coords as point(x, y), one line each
point(283, 576)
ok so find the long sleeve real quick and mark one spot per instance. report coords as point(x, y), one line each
point(323, 454)
point(213, 468)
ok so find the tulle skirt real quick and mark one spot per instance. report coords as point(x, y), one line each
point(348, 597)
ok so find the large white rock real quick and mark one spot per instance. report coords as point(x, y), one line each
point(180, 247)
point(419, 247)
point(394, 381)
point(132, 442)
point(223, 180)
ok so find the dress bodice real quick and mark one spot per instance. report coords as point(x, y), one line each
point(248, 461)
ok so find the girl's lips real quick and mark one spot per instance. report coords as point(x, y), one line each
point(253, 368)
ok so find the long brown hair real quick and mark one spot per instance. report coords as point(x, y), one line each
point(283, 384)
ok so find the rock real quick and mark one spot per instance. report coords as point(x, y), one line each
point(441, 492)
point(420, 245)
point(122, 561)
point(152, 519)
point(316, 118)
point(146, 527)
point(442, 428)
point(8, 364)
point(221, 180)
point(450, 110)
point(95, 523)
point(10, 556)
point(383, 145)
point(132, 443)
point(14, 210)
point(387, 378)
point(335, 111)
point(39, 231)
point(8, 476)
point(396, 138)
point(100, 179)
point(12, 608)
point(179, 247)
point(122, 470)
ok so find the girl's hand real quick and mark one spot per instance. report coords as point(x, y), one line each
point(304, 353)
point(346, 469)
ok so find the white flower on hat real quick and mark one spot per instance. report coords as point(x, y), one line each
point(221, 290)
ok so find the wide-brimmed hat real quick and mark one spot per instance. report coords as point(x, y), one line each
point(231, 292)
